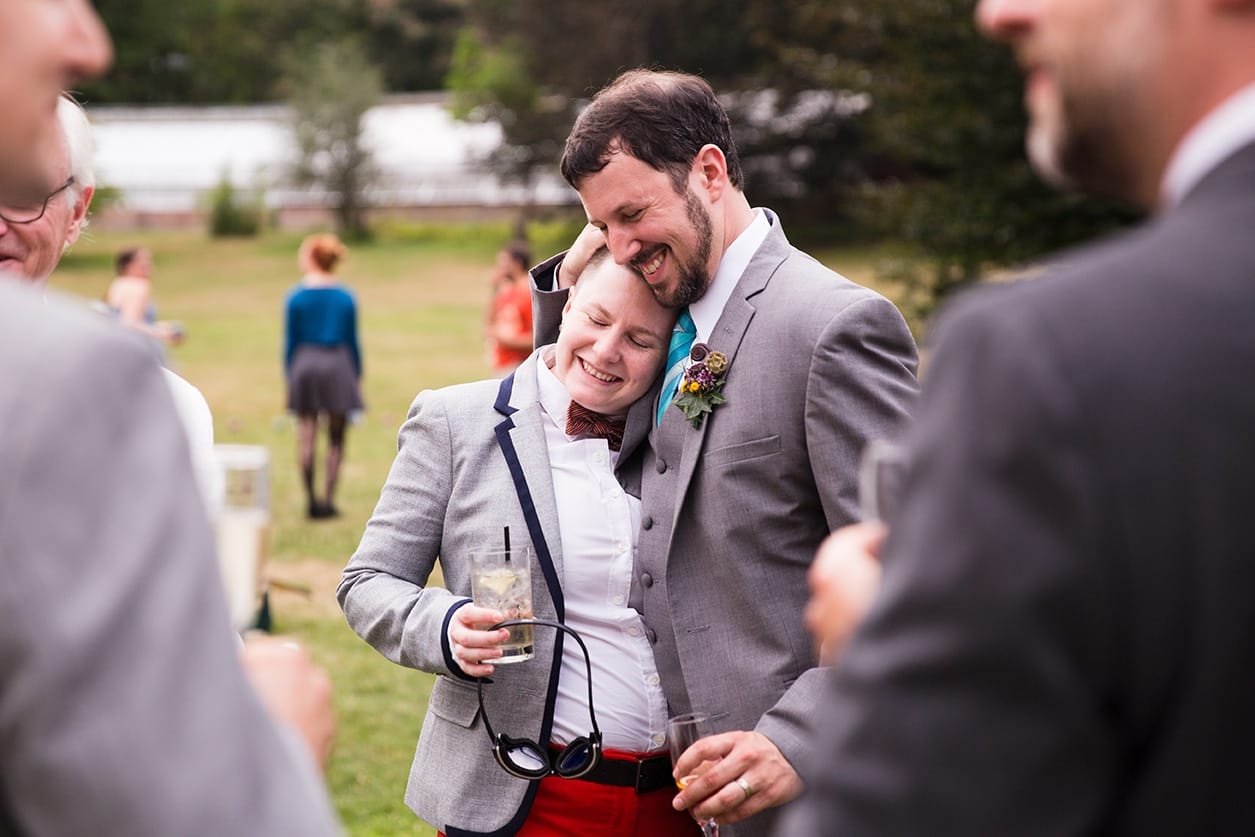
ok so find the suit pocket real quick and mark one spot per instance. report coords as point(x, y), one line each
point(455, 702)
point(741, 451)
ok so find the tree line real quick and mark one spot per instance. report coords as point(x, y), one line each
point(857, 119)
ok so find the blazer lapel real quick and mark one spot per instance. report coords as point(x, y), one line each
point(727, 336)
point(521, 437)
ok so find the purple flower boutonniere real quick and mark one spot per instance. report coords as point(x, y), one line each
point(701, 388)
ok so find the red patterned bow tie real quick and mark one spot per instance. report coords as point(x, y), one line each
point(581, 421)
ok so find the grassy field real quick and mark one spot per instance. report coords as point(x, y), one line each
point(421, 294)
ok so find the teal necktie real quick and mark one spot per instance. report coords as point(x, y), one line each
point(681, 342)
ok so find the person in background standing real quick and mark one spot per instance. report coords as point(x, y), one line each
point(323, 363)
point(130, 297)
point(510, 312)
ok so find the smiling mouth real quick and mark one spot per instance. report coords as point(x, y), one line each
point(649, 267)
point(601, 376)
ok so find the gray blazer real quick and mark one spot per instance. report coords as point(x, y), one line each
point(733, 512)
point(472, 459)
point(1064, 638)
point(123, 706)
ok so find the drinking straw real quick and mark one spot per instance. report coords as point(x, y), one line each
point(507, 544)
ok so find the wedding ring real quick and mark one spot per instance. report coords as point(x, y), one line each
point(745, 786)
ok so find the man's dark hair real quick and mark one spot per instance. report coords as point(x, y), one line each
point(124, 258)
point(661, 118)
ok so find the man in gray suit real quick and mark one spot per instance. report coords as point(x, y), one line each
point(123, 705)
point(1062, 642)
point(735, 501)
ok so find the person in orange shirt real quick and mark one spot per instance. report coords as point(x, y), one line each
point(509, 327)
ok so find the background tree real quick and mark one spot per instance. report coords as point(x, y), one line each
point(229, 51)
point(330, 87)
point(948, 172)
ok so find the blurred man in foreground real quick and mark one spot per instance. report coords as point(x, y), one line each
point(1062, 639)
point(123, 706)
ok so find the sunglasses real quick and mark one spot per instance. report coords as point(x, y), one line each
point(526, 759)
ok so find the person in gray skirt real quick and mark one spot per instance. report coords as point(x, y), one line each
point(322, 361)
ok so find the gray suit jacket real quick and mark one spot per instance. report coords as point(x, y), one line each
point(1064, 638)
point(472, 459)
point(123, 707)
point(733, 512)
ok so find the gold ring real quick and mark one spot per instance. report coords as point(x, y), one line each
point(745, 786)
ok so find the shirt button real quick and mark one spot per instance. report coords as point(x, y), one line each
point(647, 579)
point(658, 740)
point(652, 680)
point(621, 546)
point(634, 631)
point(617, 600)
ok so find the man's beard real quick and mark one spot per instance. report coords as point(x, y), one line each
point(1089, 145)
point(694, 277)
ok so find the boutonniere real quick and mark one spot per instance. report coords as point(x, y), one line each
point(701, 387)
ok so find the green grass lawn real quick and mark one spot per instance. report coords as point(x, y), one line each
point(421, 295)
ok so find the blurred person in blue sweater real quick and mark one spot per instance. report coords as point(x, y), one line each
point(322, 361)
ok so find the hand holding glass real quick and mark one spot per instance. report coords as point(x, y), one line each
point(682, 732)
point(501, 580)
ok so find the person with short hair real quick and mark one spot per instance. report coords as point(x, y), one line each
point(745, 471)
point(533, 453)
point(323, 364)
point(1062, 637)
point(122, 694)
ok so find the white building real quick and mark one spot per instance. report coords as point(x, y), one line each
point(163, 161)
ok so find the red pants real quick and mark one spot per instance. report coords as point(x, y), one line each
point(568, 807)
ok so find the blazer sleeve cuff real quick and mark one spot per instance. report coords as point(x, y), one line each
point(450, 661)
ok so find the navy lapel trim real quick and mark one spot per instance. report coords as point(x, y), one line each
point(545, 560)
point(543, 556)
point(502, 404)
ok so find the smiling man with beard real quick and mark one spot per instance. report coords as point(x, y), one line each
point(1063, 637)
point(736, 501)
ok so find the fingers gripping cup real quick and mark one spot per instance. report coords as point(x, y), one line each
point(502, 580)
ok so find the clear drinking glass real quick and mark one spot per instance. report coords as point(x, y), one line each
point(880, 474)
point(682, 732)
point(502, 580)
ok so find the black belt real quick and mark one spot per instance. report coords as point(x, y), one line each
point(645, 775)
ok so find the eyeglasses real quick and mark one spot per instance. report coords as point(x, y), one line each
point(31, 214)
point(527, 759)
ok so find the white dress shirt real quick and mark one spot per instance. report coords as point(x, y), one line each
point(598, 523)
point(1216, 136)
point(707, 310)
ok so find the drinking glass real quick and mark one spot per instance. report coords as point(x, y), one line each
point(682, 732)
point(880, 474)
point(501, 580)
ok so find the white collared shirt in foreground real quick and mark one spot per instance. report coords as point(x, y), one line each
point(598, 523)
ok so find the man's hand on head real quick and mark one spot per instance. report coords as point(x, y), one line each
point(589, 241)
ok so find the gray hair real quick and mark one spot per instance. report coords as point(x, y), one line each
point(78, 146)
